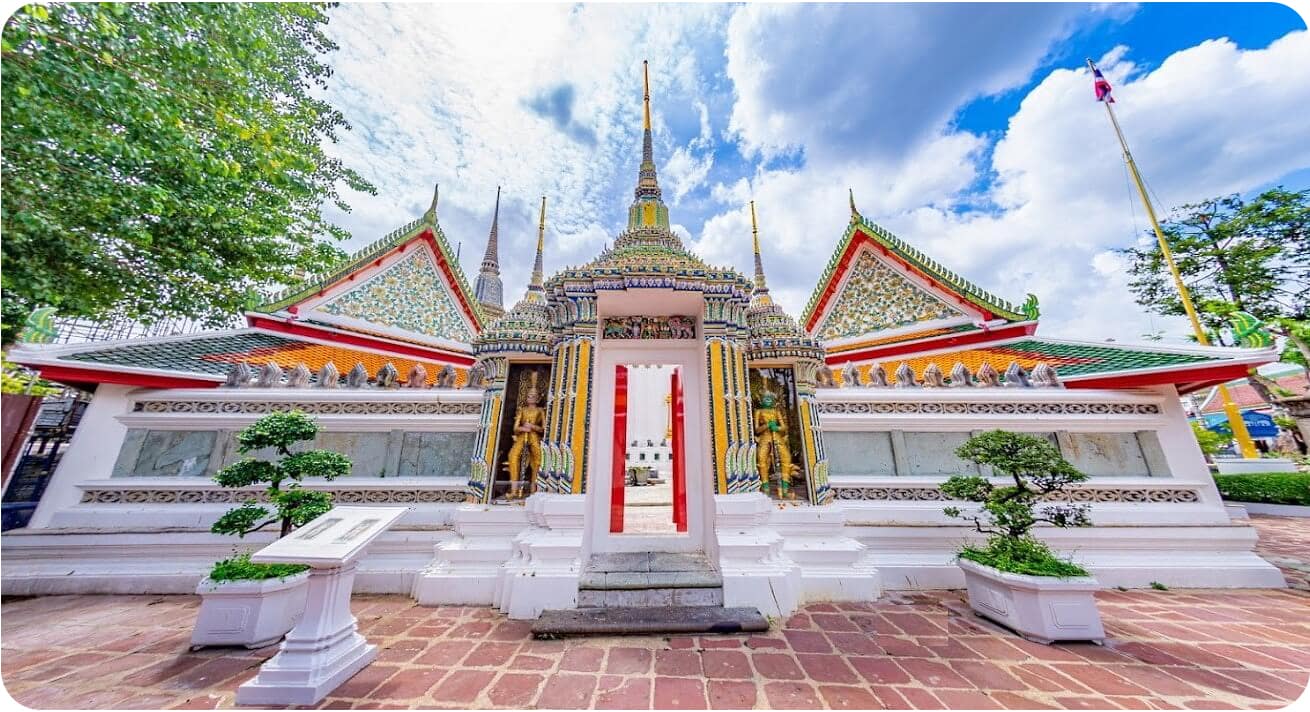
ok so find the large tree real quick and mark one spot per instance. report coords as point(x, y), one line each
point(165, 160)
point(1236, 255)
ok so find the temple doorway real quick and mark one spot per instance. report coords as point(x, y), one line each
point(648, 494)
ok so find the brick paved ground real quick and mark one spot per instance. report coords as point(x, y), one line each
point(1167, 649)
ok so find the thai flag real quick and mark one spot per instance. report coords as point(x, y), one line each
point(1102, 87)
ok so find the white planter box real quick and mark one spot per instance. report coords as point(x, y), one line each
point(1040, 608)
point(249, 613)
point(1243, 466)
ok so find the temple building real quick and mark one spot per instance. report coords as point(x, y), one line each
point(802, 456)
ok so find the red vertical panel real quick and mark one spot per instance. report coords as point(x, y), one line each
point(679, 456)
point(619, 473)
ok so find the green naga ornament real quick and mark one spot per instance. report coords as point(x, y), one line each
point(1249, 331)
point(39, 327)
point(1030, 308)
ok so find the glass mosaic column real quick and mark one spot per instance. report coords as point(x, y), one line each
point(484, 449)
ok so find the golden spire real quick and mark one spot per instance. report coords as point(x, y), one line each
point(761, 288)
point(855, 214)
point(536, 283)
point(645, 75)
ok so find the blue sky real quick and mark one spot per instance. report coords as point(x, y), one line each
point(969, 130)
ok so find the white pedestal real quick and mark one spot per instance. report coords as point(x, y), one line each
point(321, 652)
point(1244, 466)
point(324, 649)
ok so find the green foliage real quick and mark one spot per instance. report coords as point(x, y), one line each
point(1235, 255)
point(1159, 586)
point(238, 567)
point(165, 160)
point(277, 430)
point(1010, 511)
point(1023, 555)
point(1266, 488)
point(316, 463)
point(14, 380)
point(294, 506)
point(1210, 441)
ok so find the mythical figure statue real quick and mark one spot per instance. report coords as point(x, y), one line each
point(877, 377)
point(932, 377)
point(446, 377)
point(328, 376)
point(823, 376)
point(771, 441)
point(905, 376)
point(477, 375)
point(417, 377)
point(1043, 376)
point(988, 377)
point(299, 376)
point(529, 424)
point(388, 376)
point(1015, 376)
point(850, 376)
point(960, 377)
point(270, 376)
point(358, 376)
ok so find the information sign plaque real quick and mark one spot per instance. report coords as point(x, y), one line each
point(324, 649)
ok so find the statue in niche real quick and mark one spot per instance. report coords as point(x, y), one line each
point(771, 445)
point(529, 424)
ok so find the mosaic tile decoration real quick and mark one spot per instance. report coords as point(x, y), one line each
point(877, 297)
point(409, 295)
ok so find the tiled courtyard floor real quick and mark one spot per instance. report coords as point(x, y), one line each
point(1168, 649)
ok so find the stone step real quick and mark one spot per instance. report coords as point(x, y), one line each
point(648, 620)
point(662, 562)
point(650, 597)
point(632, 580)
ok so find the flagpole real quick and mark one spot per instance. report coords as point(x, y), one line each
point(1235, 422)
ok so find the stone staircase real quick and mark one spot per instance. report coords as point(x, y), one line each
point(649, 593)
point(645, 579)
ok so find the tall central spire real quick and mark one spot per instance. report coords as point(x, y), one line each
point(488, 289)
point(761, 293)
point(535, 286)
point(648, 209)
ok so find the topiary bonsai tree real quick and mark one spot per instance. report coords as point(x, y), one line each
point(292, 505)
point(1010, 511)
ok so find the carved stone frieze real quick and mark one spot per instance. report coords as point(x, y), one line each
point(453, 494)
point(1178, 495)
point(987, 408)
point(254, 407)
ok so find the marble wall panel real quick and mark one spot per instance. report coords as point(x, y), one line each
point(436, 455)
point(859, 453)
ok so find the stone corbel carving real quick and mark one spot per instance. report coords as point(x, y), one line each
point(905, 376)
point(477, 375)
point(358, 376)
point(299, 376)
point(850, 376)
point(270, 376)
point(960, 377)
point(933, 377)
point(328, 376)
point(877, 377)
point(1015, 376)
point(239, 375)
point(446, 377)
point(988, 377)
point(388, 376)
point(1044, 376)
point(417, 377)
point(823, 376)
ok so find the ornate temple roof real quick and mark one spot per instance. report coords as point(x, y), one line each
point(877, 288)
point(439, 278)
point(526, 327)
point(202, 360)
point(773, 333)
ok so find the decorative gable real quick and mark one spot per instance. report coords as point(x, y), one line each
point(876, 297)
point(409, 295)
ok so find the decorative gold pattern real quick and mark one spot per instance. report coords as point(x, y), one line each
point(877, 297)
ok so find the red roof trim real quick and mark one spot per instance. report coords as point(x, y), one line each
point(295, 328)
point(74, 375)
point(860, 238)
point(1187, 379)
point(971, 338)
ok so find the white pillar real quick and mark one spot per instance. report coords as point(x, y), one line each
point(90, 455)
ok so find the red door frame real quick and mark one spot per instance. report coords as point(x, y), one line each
point(618, 473)
point(679, 455)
